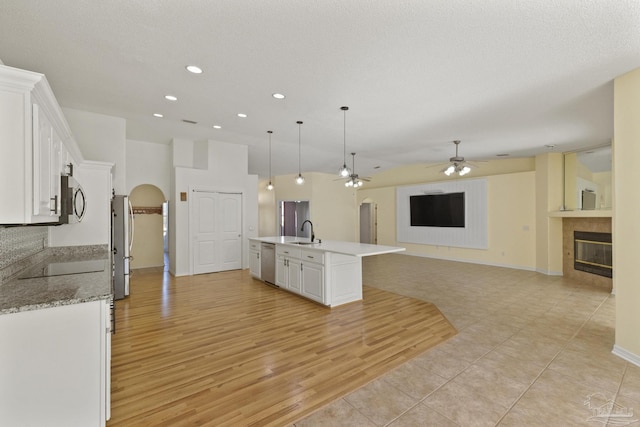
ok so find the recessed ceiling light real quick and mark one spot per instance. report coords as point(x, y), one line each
point(194, 69)
point(170, 98)
point(278, 96)
point(217, 127)
point(157, 115)
point(242, 115)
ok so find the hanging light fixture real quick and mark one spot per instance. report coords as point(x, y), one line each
point(270, 185)
point(354, 180)
point(344, 170)
point(299, 178)
point(458, 164)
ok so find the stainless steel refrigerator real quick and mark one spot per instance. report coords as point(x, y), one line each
point(122, 229)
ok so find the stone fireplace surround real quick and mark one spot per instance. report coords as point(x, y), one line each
point(591, 224)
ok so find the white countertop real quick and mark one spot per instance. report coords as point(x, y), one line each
point(346, 248)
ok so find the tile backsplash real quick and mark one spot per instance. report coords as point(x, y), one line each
point(17, 243)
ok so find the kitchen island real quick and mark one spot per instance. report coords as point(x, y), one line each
point(327, 271)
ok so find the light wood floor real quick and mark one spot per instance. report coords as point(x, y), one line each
point(224, 349)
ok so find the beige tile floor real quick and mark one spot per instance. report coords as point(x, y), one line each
point(530, 351)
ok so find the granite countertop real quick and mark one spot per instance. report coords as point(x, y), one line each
point(24, 294)
point(345, 248)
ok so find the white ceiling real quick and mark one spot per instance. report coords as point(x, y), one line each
point(503, 76)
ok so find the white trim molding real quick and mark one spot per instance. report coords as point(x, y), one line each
point(626, 355)
point(473, 235)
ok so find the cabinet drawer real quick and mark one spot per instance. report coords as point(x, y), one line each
point(254, 246)
point(312, 256)
point(288, 251)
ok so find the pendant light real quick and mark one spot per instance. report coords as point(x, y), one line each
point(354, 180)
point(299, 178)
point(270, 185)
point(344, 170)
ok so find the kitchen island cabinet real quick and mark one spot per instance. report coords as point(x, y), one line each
point(288, 268)
point(329, 272)
point(254, 259)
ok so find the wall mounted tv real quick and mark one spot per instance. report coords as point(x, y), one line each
point(437, 210)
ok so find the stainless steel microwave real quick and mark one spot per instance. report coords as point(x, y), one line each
point(73, 202)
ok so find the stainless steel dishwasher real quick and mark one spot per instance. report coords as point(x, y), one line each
point(268, 263)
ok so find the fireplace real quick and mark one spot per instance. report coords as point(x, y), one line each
point(593, 253)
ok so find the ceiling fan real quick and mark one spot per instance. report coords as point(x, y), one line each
point(353, 180)
point(458, 164)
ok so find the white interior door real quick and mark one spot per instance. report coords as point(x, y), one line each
point(216, 231)
point(205, 234)
point(231, 230)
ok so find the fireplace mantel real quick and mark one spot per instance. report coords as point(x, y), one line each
point(596, 213)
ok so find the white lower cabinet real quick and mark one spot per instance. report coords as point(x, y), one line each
point(313, 281)
point(294, 273)
point(55, 366)
point(288, 268)
point(301, 272)
point(254, 260)
point(282, 274)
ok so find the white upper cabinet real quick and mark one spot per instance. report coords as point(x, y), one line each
point(47, 166)
point(36, 144)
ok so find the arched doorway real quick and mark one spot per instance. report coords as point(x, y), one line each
point(149, 247)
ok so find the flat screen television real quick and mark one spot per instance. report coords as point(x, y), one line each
point(437, 210)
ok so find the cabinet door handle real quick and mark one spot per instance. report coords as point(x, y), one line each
point(309, 256)
point(258, 254)
point(55, 203)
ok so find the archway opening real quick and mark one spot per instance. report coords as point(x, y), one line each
point(149, 247)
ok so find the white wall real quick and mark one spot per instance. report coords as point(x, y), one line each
point(511, 223)
point(101, 138)
point(226, 171)
point(268, 210)
point(95, 228)
point(148, 163)
point(626, 205)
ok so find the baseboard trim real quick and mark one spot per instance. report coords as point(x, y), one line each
point(626, 355)
point(549, 273)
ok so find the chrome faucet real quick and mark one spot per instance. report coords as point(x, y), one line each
point(313, 236)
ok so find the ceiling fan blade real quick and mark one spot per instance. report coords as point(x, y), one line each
point(436, 165)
